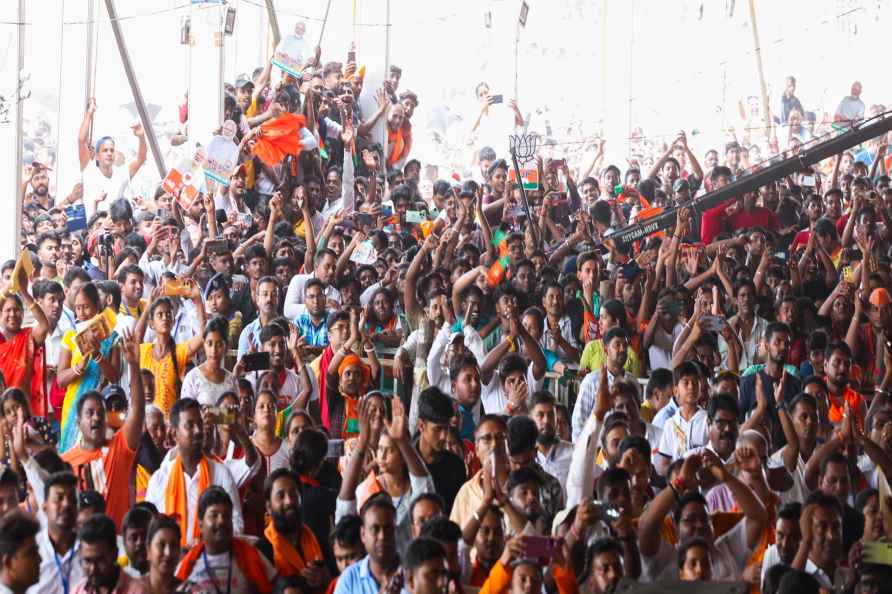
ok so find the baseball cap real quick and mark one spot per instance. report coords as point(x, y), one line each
point(680, 184)
point(243, 80)
point(113, 390)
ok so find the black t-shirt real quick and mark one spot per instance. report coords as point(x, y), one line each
point(449, 474)
point(792, 386)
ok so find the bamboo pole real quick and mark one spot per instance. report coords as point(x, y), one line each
point(766, 112)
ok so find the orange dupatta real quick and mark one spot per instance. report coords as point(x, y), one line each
point(246, 557)
point(399, 145)
point(279, 137)
point(175, 494)
point(288, 560)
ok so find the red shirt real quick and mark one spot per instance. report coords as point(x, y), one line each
point(758, 217)
point(715, 220)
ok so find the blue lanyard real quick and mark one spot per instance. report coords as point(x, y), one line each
point(64, 576)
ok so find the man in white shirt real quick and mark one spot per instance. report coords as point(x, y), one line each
point(787, 536)
point(508, 382)
point(729, 553)
point(339, 184)
point(324, 270)
point(616, 347)
point(822, 540)
point(103, 182)
point(60, 566)
point(552, 453)
point(189, 460)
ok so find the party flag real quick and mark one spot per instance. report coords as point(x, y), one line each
point(497, 271)
point(500, 240)
point(530, 178)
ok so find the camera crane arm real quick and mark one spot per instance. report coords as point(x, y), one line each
point(806, 157)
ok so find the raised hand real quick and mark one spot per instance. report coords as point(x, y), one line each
point(130, 347)
point(779, 389)
point(398, 426)
point(713, 464)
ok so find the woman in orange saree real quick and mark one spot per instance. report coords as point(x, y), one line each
point(21, 348)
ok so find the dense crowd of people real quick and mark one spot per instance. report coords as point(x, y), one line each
point(331, 372)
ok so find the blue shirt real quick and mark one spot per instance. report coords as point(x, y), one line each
point(252, 329)
point(316, 336)
point(358, 579)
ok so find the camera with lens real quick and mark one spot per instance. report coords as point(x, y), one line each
point(107, 242)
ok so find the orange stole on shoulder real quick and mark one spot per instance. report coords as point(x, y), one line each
point(246, 558)
point(175, 499)
point(287, 559)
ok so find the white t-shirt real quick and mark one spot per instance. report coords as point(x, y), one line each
point(96, 183)
point(493, 396)
point(680, 435)
point(196, 385)
point(799, 491)
point(210, 574)
point(290, 389)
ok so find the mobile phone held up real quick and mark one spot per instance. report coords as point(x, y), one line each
point(256, 361)
point(493, 99)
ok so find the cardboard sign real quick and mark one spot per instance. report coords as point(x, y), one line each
point(222, 155)
point(94, 331)
point(23, 264)
point(288, 56)
point(185, 180)
point(365, 253)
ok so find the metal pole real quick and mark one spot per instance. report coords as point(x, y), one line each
point(386, 76)
point(516, 60)
point(91, 16)
point(534, 229)
point(765, 111)
point(273, 22)
point(15, 240)
point(134, 88)
point(324, 22)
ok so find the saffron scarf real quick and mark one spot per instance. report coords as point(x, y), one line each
point(278, 138)
point(175, 498)
point(288, 560)
point(246, 558)
point(399, 144)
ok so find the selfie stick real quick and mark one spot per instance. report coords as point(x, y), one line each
point(523, 147)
